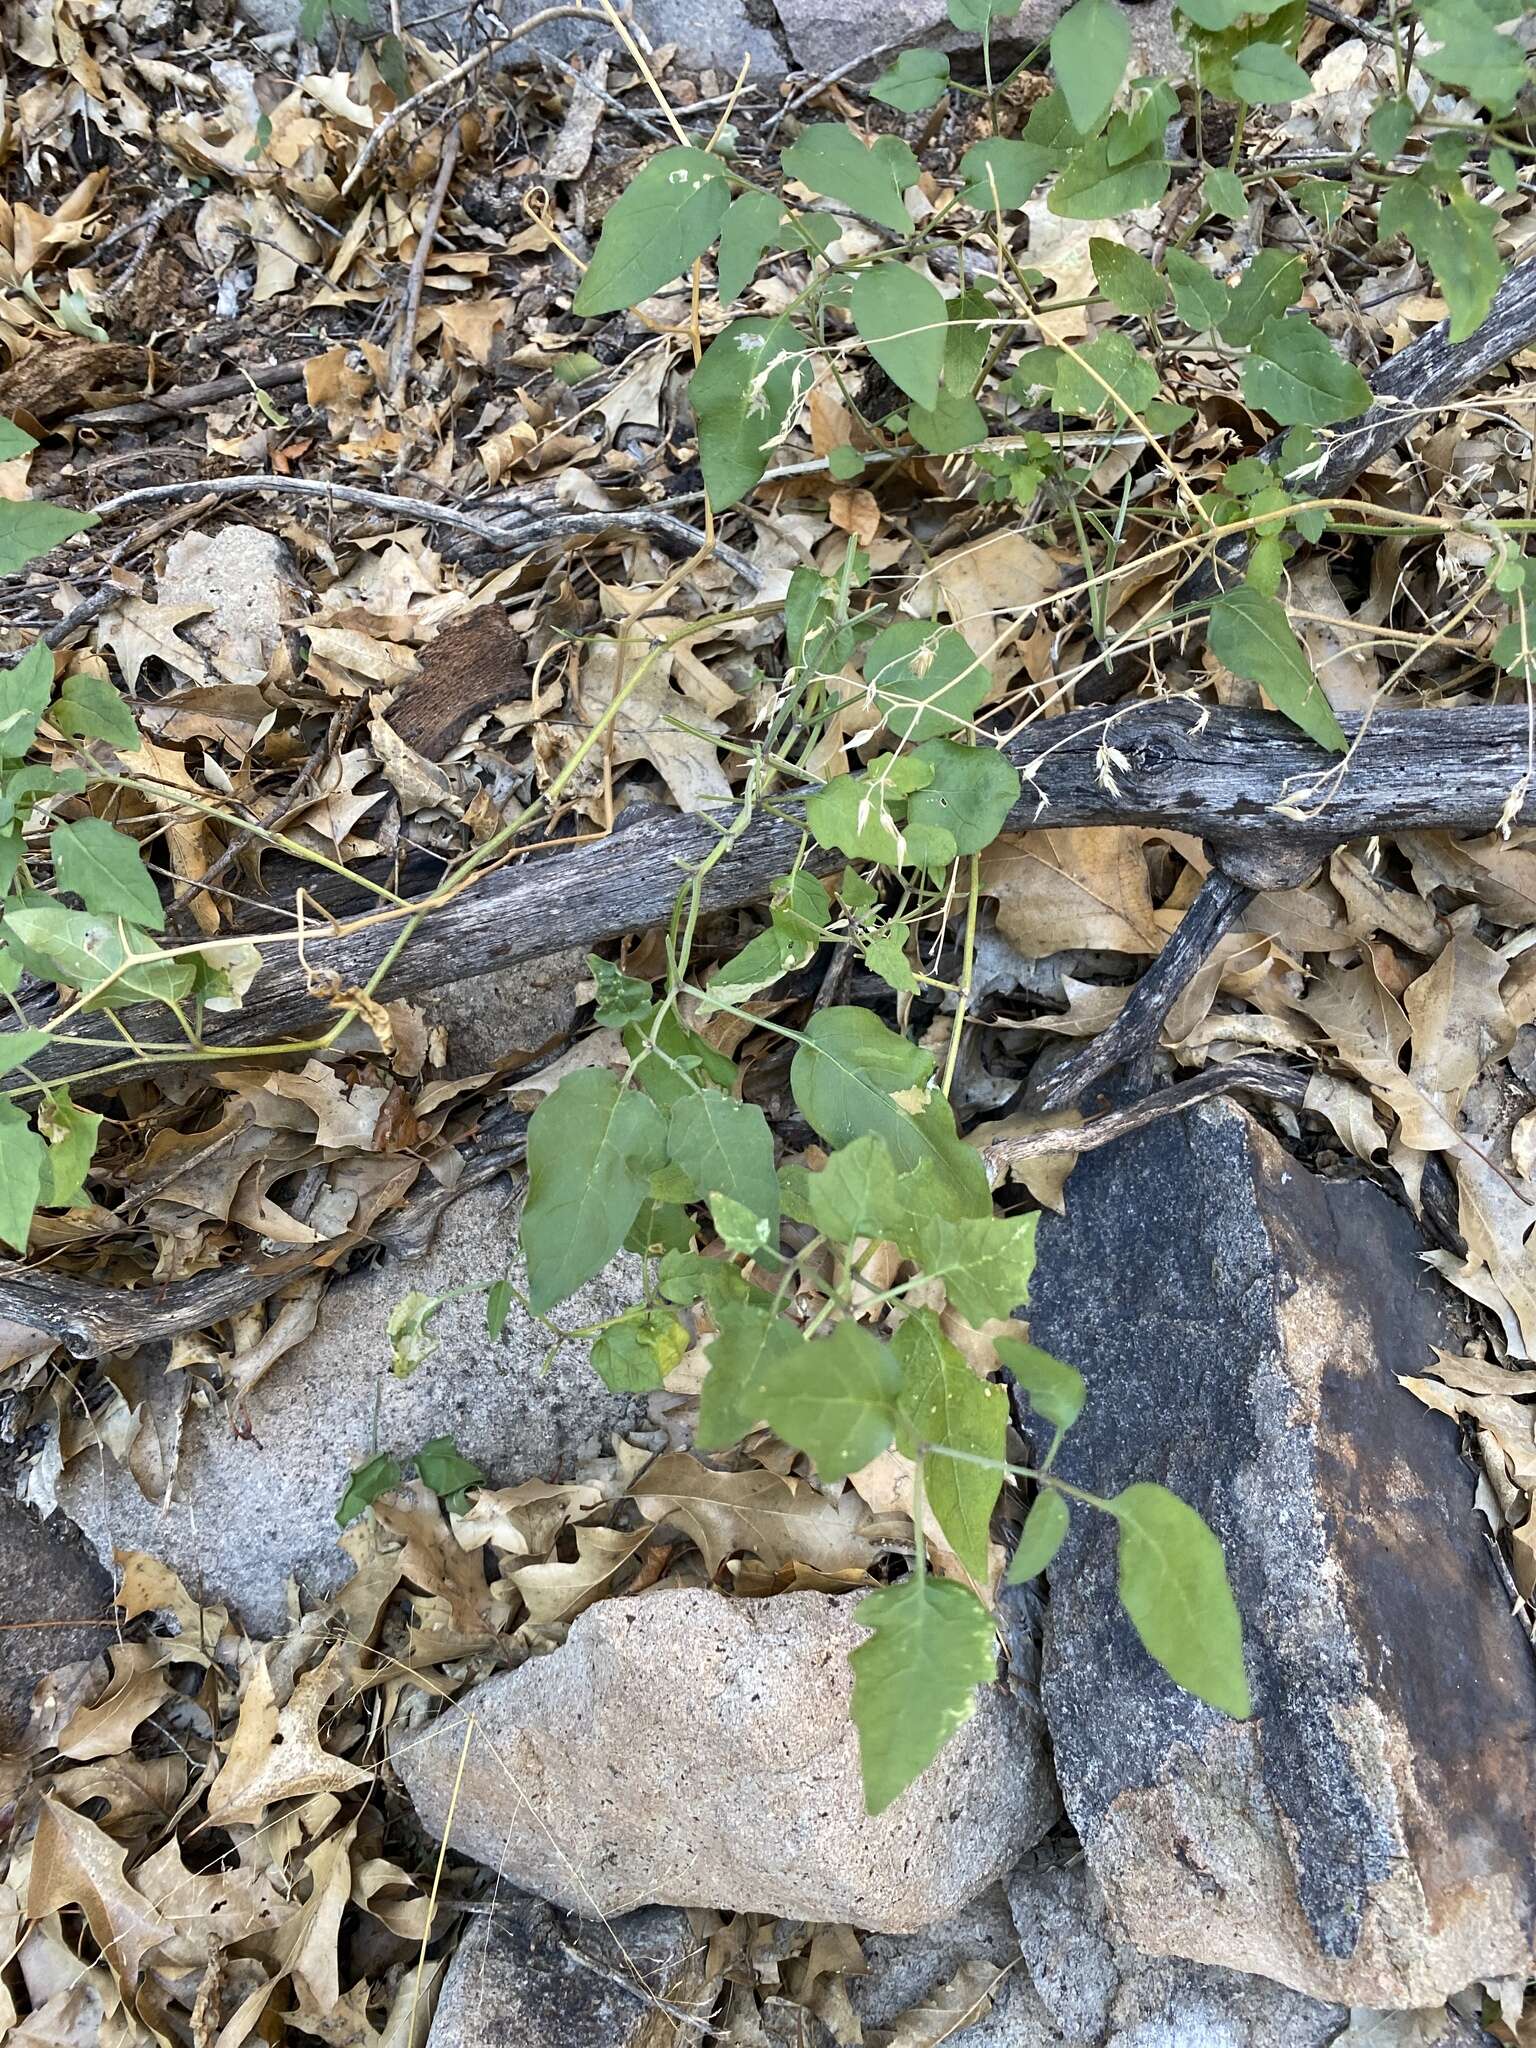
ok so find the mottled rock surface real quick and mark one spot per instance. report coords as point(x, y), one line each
point(706, 32)
point(47, 1576)
point(684, 1749)
point(1367, 1837)
point(524, 1979)
point(1097, 1990)
point(248, 1509)
point(826, 35)
point(496, 1018)
point(245, 575)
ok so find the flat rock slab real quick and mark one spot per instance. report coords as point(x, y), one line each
point(244, 578)
point(521, 1978)
point(1367, 1837)
point(248, 1509)
point(687, 1749)
point(47, 1578)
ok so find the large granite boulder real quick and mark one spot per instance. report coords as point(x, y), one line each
point(1367, 1837)
point(683, 1748)
point(253, 1497)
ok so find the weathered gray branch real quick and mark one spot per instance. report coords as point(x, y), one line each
point(1244, 780)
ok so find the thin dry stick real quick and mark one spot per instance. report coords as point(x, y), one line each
point(456, 76)
point(145, 412)
point(412, 312)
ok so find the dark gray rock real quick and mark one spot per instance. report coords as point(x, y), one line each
point(524, 1978)
point(47, 1576)
point(1367, 1836)
point(1098, 1990)
point(708, 33)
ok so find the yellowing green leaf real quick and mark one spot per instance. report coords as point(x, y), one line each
point(635, 1353)
point(914, 1681)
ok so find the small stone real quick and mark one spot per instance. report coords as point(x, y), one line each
point(904, 1970)
point(47, 1576)
point(683, 1748)
point(245, 575)
point(1097, 1990)
point(248, 1508)
point(1366, 1837)
point(521, 1977)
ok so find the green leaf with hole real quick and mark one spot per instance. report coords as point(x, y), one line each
point(29, 528)
point(985, 1262)
point(1252, 636)
point(918, 79)
point(1090, 48)
point(1298, 377)
point(1173, 1585)
point(71, 1133)
point(915, 1679)
point(92, 954)
point(750, 227)
point(969, 795)
point(904, 321)
point(1266, 75)
point(1128, 281)
point(637, 1351)
point(380, 1475)
point(104, 868)
point(830, 159)
point(592, 1147)
point(834, 1398)
point(943, 1403)
point(725, 1147)
point(743, 392)
point(1272, 281)
point(1044, 1532)
point(24, 694)
point(925, 679)
point(655, 230)
point(1054, 1389)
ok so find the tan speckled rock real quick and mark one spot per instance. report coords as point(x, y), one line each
point(688, 1749)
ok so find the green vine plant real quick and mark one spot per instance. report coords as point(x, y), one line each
point(933, 338)
point(773, 1262)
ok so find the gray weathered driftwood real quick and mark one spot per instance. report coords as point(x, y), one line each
point(1221, 774)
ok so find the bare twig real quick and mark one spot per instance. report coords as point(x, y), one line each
point(184, 398)
point(412, 310)
point(1253, 1077)
point(1216, 908)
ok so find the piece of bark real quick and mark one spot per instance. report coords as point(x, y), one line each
point(470, 667)
point(77, 376)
